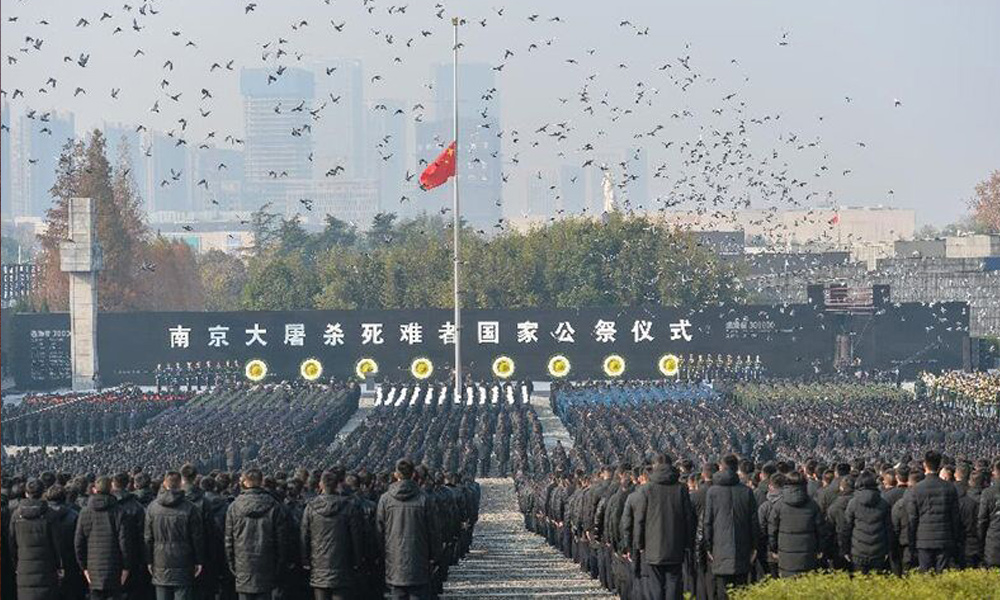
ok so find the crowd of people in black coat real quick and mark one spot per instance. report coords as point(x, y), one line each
point(268, 426)
point(493, 432)
point(81, 419)
point(775, 504)
point(664, 528)
point(332, 534)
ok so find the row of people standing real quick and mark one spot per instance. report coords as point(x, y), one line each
point(657, 532)
point(330, 535)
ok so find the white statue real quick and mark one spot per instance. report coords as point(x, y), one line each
point(608, 185)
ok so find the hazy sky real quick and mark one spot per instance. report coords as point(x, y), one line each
point(940, 60)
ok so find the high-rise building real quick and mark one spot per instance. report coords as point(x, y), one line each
point(222, 171)
point(41, 139)
point(338, 134)
point(5, 164)
point(543, 193)
point(573, 189)
point(168, 177)
point(278, 131)
point(387, 155)
point(123, 141)
point(480, 169)
point(634, 189)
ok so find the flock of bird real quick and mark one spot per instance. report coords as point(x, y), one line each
point(712, 158)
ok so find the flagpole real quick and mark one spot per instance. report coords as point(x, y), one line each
point(456, 220)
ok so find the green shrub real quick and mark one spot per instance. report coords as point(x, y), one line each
point(952, 585)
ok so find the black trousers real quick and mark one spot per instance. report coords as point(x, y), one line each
point(664, 582)
point(332, 594)
point(721, 582)
point(865, 564)
point(409, 592)
point(936, 560)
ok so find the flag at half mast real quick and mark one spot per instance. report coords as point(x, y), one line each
point(439, 171)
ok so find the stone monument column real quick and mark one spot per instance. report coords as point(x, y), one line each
point(80, 257)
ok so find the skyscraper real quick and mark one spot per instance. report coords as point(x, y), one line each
point(121, 138)
point(41, 139)
point(481, 167)
point(278, 125)
point(573, 189)
point(222, 170)
point(168, 179)
point(5, 164)
point(387, 154)
point(338, 133)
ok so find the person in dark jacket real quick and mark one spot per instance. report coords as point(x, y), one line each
point(404, 523)
point(836, 552)
point(989, 520)
point(256, 544)
point(34, 546)
point(72, 584)
point(971, 553)
point(174, 541)
point(204, 582)
point(731, 527)
point(101, 542)
point(217, 578)
point(331, 540)
point(795, 528)
point(935, 526)
point(774, 485)
point(138, 586)
point(9, 587)
point(664, 524)
point(867, 527)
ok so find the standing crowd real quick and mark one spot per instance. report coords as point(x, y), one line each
point(328, 535)
point(665, 528)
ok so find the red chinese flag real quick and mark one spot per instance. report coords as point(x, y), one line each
point(439, 171)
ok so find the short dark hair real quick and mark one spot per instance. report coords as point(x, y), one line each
point(189, 472)
point(903, 472)
point(731, 462)
point(56, 493)
point(932, 459)
point(843, 469)
point(172, 480)
point(102, 485)
point(866, 481)
point(795, 478)
point(120, 481)
point(330, 480)
point(405, 468)
point(34, 489)
point(208, 484)
point(253, 478)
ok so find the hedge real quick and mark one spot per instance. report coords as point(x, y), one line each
point(975, 584)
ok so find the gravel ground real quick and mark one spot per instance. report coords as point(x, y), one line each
point(506, 561)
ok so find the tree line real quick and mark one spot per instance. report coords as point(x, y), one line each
point(621, 260)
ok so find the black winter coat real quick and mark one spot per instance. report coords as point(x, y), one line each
point(968, 508)
point(989, 524)
point(405, 525)
point(34, 547)
point(795, 530)
point(867, 527)
point(66, 516)
point(174, 539)
point(102, 542)
point(332, 541)
point(934, 521)
point(7, 586)
point(256, 544)
point(664, 519)
point(134, 519)
point(835, 526)
point(731, 525)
